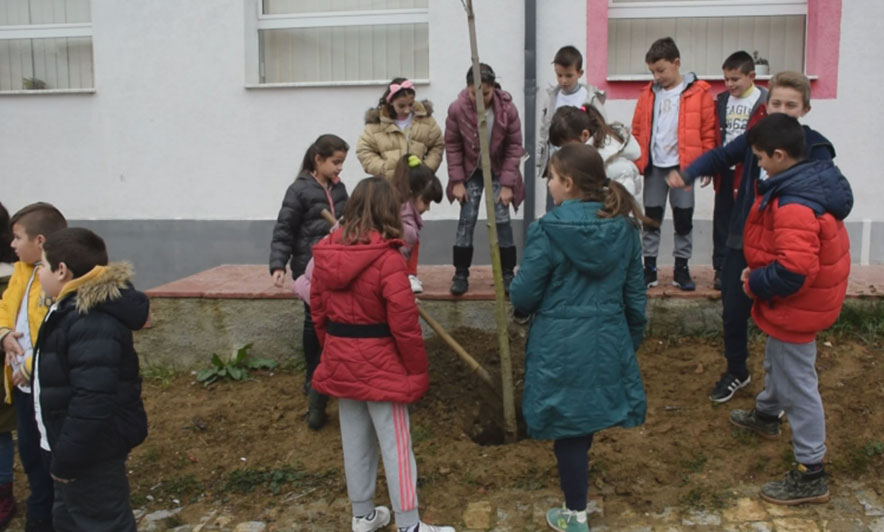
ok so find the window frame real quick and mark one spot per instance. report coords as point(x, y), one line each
point(256, 21)
point(49, 31)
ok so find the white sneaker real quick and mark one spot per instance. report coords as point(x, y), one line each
point(416, 285)
point(432, 528)
point(381, 519)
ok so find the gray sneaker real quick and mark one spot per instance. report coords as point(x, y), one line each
point(748, 419)
point(798, 487)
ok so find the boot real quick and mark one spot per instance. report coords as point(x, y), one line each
point(316, 417)
point(507, 265)
point(7, 505)
point(463, 257)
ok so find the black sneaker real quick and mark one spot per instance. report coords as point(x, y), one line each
point(716, 281)
point(800, 486)
point(681, 278)
point(460, 283)
point(749, 419)
point(650, 277)
point(726, 387)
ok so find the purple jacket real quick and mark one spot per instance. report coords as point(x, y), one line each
point(462, 143)
point(411, 227)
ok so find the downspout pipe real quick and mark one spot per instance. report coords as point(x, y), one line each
point(530, 110)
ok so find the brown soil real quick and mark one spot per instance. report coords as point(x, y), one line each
point(245, 447)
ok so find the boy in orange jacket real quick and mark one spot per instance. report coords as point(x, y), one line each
point(674, 123)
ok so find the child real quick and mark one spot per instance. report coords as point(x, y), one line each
point(568, 91)
point(798, 256)
point(87, 386)
point(790, 94)
point(417, 187)
point(21, 313)
point(399, 125)
point(581, 276)
point(465, 182)
point(300, 225)
point(674, 123)
point(374, 358)
point(614, 142)
point(737, 107)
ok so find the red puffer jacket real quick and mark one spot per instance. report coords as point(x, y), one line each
point(367, 322)
point(798, 250)
point(697, 125)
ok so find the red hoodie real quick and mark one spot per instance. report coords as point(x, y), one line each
point(367, 322)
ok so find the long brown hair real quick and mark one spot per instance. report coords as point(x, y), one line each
point(585, 167)
point(569, 122)
point(373, 206)
point(413, 179)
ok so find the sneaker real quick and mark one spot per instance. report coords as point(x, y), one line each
point(650, 277)
point(379, 520)
point(423, 527)
point(716, 281)
point(748, 419)
point(799, 487)
point(681, 278)
point(726, 387)
point(565, 520)
point(416, 285)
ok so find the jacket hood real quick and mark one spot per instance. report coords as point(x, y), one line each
point(109, 289)
point(377, 114)
point(819, 185)
point(589, 242)
point(338, 264)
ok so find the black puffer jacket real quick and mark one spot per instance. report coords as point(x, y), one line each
point(89, 382)
point(300, 224)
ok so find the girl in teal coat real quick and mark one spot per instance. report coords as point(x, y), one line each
point(581, 277)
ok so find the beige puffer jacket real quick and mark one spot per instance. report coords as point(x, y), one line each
point(382, 143)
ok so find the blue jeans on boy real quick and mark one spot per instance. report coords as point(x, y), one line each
point(573, 463)
point(736, 309)
point(469, 213)
point(34, 460)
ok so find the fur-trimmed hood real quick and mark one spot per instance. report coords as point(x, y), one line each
point(376, 115)
point(109, 289)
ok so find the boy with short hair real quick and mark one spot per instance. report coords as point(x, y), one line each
point(738, 106)
point(789, 93)
point(87, 385)
point(798, 256)
point(568, 91)
point(21, 311)
point(674, 123)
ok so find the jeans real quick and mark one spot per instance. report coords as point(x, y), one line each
point(34, 460)
point(573, 463)
point(469, 213)
point(7, 457)
point(721, 218)
point(312, 349)
point(96, 501)
point(736, 309)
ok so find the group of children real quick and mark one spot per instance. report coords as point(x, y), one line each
point(72, 373)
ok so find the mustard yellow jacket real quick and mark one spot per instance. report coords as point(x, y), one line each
point(382, 143)
point(9, 305)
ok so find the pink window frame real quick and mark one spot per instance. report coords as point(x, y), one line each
point(823, 39)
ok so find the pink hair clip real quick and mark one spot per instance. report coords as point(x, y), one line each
point(396, 87)
point(583, 108)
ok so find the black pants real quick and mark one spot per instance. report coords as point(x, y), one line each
point(96, 501)
point(572, 455)
point(721, 217)
point(34, 460)
point(737, 308)
point(312, 349)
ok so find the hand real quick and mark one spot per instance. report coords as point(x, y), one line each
point(505, 196)
point(705, 180)
point(674, 179)
point(459, 192)
point(18, 379)
point(744, 281)
point(278, 278)
point(62, 480)
point(11, 345)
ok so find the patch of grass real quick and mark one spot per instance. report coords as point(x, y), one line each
point(159, 374)
point(150, 455)
point(532, 480)
point(695, 463)
point(137, 500)
point(247, 480)
point(173, 521)
point(184, 487)
point(702, 498)
point(863, 458)
point(863, 321)
point(787, 459)
point(420, 434)
point(743, 436)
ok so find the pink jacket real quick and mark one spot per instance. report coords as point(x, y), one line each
point(411, 227)
point(462, 143)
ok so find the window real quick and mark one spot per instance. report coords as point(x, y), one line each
point(706, 32)
point(45, 45)
point(337, 42)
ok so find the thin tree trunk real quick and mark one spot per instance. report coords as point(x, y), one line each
point(506, 364)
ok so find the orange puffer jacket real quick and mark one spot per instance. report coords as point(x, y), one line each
point(697, 126)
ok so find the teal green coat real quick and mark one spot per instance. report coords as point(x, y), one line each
point(581, 276)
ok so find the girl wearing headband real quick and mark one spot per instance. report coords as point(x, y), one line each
point(398, 125)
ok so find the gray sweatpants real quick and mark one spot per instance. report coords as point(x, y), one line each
point(367, 427)
point(791, 384)
point(682, 202)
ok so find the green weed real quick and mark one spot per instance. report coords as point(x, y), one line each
point(247, 480)
point(159, 374)
point(236, 368)
point(696, 463)
point(863, 457)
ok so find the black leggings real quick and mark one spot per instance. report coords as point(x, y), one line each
point(312, 349)
point(572, 455)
